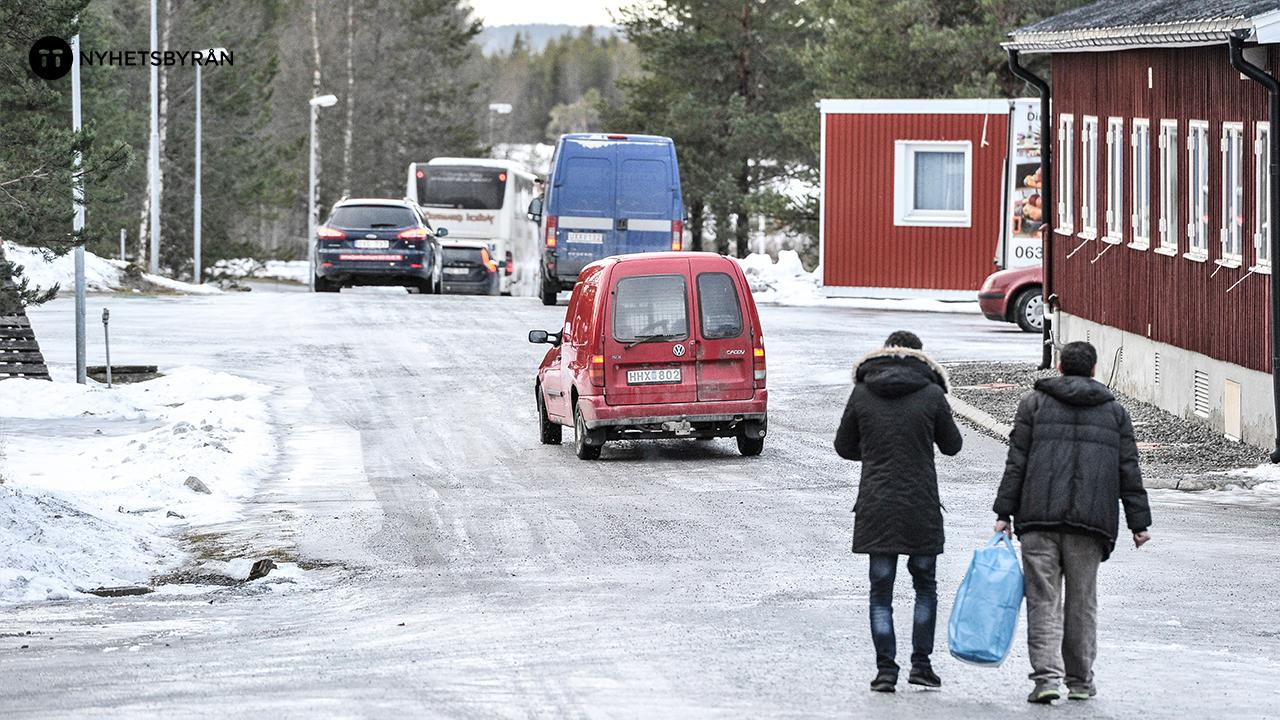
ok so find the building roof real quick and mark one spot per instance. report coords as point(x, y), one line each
point(1120, 24)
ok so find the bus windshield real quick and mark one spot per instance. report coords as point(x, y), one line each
point(462, 188)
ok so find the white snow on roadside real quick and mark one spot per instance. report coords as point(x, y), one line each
point(296, 271)
point(101, 274)
point(786, 282)
point(94, 478)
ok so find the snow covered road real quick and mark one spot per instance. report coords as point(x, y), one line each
point(461, 569)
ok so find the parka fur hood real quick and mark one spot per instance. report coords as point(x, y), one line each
point(895, 371)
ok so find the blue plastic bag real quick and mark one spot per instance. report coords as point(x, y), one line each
point(985, 614)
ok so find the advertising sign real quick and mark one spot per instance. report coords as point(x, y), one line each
point(1027, 213)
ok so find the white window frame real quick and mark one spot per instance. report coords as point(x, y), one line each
point(1066, 174)
point(1262, 197)
point(1140, 218)
point(1089, 177)
point(1170, 151)
point(1197, 194)
point(1231, 231)
point(904, 210)
point(1115, 181)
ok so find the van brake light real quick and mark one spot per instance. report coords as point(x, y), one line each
point(597, 370)
point(509, 266)
point(551, 231)
point(324, 232)
point(759, 365)
point(677, 234)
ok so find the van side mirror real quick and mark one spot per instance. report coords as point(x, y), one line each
point(535, 210)
point(442, 232)
point(542, 336)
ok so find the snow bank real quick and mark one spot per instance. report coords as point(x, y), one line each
point(96, 480)
point(786, 282)
point(296, 271)
point(100, 274)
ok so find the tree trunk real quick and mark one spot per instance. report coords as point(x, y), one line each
point(162, 113)
point(143, 238)
point(696, 218)
point(742, 222)
point(350, 100)
point(722, 230)
point(315, 87)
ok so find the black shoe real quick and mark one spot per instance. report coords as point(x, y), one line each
point(924, 676)
point(1045, 692)
point(885, 682)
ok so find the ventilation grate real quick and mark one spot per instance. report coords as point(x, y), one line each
point(1202, 394)
point(1157, 372)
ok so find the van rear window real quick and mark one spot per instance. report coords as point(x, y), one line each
point(650, 305)
point(718, 307)
point(644, 189)
point(585, 187)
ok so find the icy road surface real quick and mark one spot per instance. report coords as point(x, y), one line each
point(465, 570)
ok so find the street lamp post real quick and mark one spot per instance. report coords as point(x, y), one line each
point(316, 103)
point(153, 158)
point(197, 272)
point(77, 223)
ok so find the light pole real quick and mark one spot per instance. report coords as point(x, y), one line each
point(316, 102)
point(153, 153)
point(197, 276)
point(77, 224)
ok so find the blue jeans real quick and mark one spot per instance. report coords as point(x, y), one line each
point(884, 568)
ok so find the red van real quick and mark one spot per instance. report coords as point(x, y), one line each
point(655, 345)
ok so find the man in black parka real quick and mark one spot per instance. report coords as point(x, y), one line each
point(1072, 463)
point(895, 415)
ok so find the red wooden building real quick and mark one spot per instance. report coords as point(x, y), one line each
point(1161, 231)
point(925, 197)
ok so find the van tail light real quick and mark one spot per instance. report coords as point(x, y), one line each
point(677, 234)
point(551, 231)
point(597, 370)
point(487, 259)
point(758, 365)
point(414, 235)
point(324, 232)
point(509, 266)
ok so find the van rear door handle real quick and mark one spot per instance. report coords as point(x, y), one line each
point(622, 223)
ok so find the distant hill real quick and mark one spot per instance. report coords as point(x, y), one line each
point(499, 37)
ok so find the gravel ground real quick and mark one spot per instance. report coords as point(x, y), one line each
point(1171, 447)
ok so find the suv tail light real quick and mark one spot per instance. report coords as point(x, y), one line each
point(597, 370)
point(413, 234)
point(677, 234)
point(758, 364)
point(487, 259)
point(551, 231)
point(324, 232)
point(510, 264)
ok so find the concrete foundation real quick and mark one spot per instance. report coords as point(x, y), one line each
point(1232, 399)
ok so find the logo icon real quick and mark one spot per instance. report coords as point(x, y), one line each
point(677, 350)
point(50, 57)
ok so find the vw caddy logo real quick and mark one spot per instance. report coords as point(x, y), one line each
point(677, 350)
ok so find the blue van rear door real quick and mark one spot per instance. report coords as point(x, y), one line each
point(585, 203)
point(647, 191)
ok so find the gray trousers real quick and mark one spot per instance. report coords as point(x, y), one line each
point(1062, 628)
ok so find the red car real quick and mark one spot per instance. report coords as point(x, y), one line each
point(1016, 296)
point(655, 345)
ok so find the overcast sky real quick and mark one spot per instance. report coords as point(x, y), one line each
point(555, 12)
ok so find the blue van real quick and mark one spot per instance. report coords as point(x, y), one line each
point(606, 195)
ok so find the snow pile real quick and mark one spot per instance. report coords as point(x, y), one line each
point(100, 274)
point(96, 480)
point(296, 271)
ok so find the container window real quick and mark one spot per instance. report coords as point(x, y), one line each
point(1066, 180)
point(1198, 190)
point(1141, 199)
point(1115, 180)
point(1232, 228)
point(718, 306)
point(933, 183)
point(1089, 177)
point(1262, 197)
point(648, 306)
point(1169, 187)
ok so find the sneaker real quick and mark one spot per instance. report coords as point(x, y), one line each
point(924, 676)
point(1081, 693)
point(885, 682)
point(1046, 692)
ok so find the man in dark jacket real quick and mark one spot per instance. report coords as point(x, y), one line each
point(896, 413)
point(1072, 463)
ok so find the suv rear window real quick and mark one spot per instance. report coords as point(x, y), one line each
point(373, 217)
point(718, 307)
point(647, 305)
point(457, 255)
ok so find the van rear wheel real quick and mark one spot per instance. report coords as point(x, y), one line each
point(580, 432)
point(750, 447)
point(548, 432)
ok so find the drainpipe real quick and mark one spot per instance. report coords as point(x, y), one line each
point(1268, 81)
point(1046, 197)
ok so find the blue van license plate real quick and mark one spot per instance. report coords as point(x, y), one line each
point(585, 238)
point(653, 377)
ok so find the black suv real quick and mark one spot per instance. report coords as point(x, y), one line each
point(377, 242)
